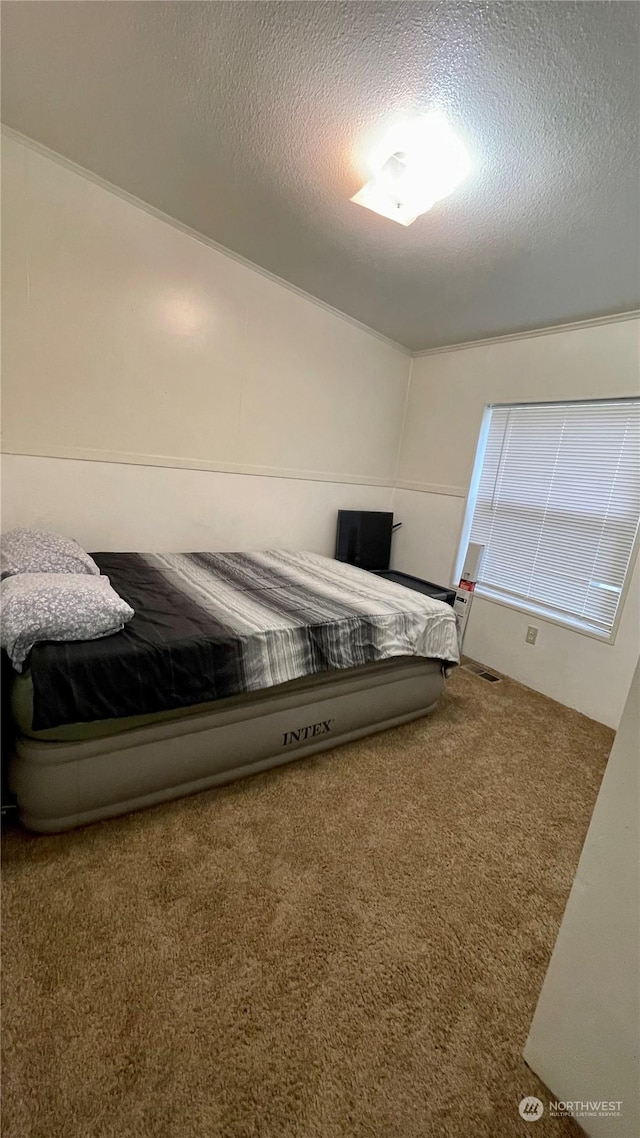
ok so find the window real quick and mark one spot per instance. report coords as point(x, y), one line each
point(555, 500)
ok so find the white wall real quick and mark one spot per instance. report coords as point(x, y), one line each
point(129, 341)
point(113, 506)
point(447, 396)
point(584, 1041)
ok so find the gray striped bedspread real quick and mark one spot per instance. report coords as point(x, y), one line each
point(211, 625)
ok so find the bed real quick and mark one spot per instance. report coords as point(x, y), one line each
point(233, 663)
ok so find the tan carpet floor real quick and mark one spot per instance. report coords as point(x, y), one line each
point(348, 947)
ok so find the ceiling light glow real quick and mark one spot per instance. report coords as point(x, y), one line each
point(427, 163)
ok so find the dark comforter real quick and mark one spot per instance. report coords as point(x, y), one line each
point(211, 625)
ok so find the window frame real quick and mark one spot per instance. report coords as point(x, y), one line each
point(563, 620)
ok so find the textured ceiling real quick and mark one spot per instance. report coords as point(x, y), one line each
point(251, 122)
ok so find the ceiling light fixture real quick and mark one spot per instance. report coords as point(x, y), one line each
point(426, 164)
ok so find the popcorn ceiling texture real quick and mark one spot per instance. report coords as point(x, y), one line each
point(251, 122)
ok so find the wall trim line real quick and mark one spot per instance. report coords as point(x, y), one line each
point(160, 215)
point(169, 462)
point(431, 488)
point(549, 330)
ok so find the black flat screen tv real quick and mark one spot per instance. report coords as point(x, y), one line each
point(364, 538)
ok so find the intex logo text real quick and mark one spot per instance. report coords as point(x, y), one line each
point(308, 732)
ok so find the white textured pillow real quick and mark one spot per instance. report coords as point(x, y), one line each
point(39, 551)
point(57, 606)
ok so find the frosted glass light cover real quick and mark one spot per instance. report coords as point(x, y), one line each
point(430, 165)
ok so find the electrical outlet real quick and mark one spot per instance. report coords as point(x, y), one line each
point(532, 634)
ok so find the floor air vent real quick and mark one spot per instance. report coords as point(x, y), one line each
point(478, 670)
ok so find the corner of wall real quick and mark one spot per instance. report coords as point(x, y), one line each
point(402, 429)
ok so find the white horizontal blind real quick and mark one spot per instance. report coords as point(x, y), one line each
point(558, 505)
